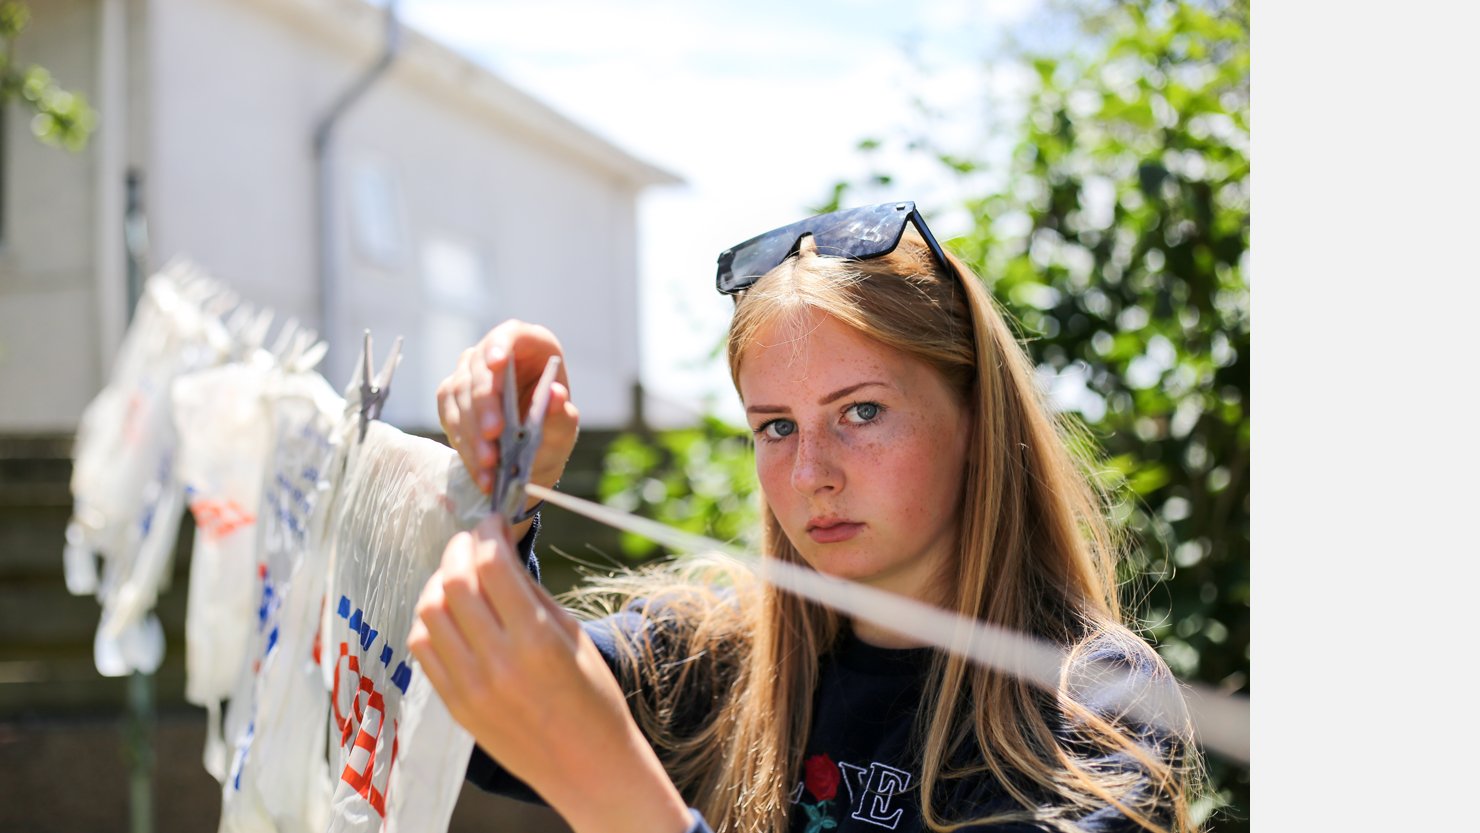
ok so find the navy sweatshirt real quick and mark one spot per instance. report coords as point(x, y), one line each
point(859, 772)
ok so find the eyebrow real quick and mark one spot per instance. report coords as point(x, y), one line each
point(826, 400)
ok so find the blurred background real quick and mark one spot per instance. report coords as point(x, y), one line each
point(429, 167)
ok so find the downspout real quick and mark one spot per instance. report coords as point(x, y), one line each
point(110, 149)
point(323, 136)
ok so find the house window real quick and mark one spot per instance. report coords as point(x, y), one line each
point(454, 314)
point(378, 217)
point(452, 273)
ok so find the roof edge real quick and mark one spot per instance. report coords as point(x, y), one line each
point(360, 25)
point(461, 73)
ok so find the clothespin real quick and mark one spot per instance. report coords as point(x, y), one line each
point(309, 356)
point(291, 348)
point(373, 391)
point(238, 320)
point(287, 331)
point(519, 442)
point(254, 332)
point(216, 305)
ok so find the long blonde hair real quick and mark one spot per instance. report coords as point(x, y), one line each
point(727, 666)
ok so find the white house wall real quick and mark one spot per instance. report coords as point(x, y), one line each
point(230, 171)
point(49, 353)
point(552, 240)
point(237, 88)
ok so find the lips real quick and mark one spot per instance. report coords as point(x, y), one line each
point(832, 530)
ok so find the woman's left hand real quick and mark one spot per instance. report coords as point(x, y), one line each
point(523, 678)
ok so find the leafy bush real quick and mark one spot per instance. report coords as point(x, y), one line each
point(699, 479)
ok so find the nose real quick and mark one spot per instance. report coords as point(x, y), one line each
point(815, 468)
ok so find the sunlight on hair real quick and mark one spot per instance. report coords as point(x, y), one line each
point(1221, 722)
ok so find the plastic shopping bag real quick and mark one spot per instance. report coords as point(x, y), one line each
point(127, 497)
point(401, 757)
point(278, 780)
point(223, 426)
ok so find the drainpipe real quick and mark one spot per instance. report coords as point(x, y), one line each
point(110, 149)
point(323, 136)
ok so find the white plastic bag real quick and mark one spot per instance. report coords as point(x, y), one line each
point(223, 426)
point(278, 780)
point(126, 495)
point(401, 757)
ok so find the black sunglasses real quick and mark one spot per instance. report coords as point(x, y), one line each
point(855, 233)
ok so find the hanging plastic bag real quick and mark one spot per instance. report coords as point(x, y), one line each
point(401, 757)
point(223, 426)
point(278, 780)
point(127, 498)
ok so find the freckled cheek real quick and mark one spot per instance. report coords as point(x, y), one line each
point(773, 472)
point(909, 486)
point(921, 473)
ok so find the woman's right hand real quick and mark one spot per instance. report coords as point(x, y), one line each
point(471, 408)
point(531, 687)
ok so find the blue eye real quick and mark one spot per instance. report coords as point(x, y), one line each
point(777, 429)
point(863, 412)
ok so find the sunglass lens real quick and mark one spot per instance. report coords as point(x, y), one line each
point(862, 233)
point(859, 233)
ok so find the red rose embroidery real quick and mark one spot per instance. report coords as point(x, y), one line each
point(822, 776)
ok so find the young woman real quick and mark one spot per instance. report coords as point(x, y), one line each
point(901, 442)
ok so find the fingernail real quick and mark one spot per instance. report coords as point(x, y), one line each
point(496, 353)
point(490, 422)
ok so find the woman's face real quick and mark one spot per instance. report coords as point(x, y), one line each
point(860, 450)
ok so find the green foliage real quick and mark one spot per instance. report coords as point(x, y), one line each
point(59, 117)
point(700, 480)
point(1132, 180)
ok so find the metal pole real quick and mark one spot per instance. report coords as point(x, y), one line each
point(135, 238)
point(139, 750)
point(139, 733)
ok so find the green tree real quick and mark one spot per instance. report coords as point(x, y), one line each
point(59, 117)
point(699, 479)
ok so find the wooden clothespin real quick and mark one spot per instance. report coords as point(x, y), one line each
point(373, 391)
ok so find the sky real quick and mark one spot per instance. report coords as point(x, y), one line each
point(758, 106)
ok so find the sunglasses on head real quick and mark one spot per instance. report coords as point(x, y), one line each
point(854, 233)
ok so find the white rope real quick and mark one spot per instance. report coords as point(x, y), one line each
point(1220, 722)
